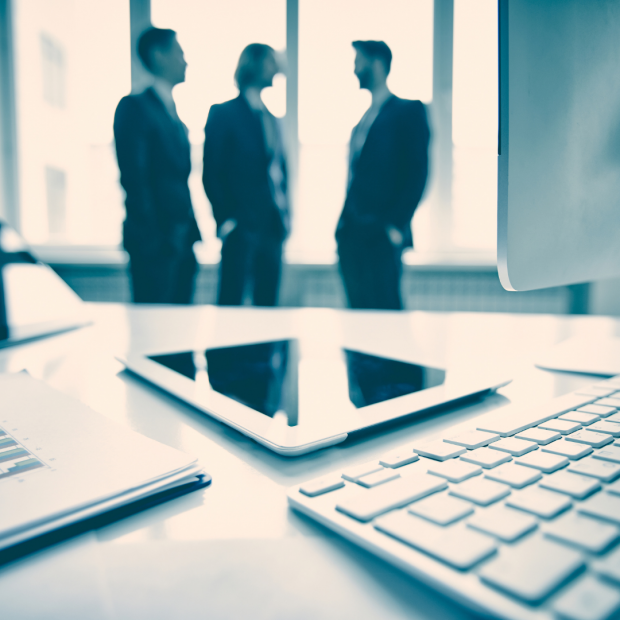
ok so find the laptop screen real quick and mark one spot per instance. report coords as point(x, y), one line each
point(34, 300)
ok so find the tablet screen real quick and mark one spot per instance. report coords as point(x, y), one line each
point(274, 378)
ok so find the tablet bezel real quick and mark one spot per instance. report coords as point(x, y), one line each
point(304, 438)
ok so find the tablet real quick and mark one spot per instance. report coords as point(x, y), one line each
point(294, 396)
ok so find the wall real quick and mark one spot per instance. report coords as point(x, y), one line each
point(424, 288)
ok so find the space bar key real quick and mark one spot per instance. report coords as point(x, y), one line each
point(368, 504)
point(514, 418)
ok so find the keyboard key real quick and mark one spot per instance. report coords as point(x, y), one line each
point(611, 382)
point(583, 532)
point(455, 471)
point(371, 503)
point(598, 409)
point(398, 459)
point(610, 428)
point(613, 488)
point(602, 506)
point(614, 418)
point(473, 439)
point(539, 502)
point(571, 484)
point(321, 486)
point(561, 426)
point(504, 523)
point(379, 477)
point(596, 440)
point(608, 454)
point(457, 545)
point(583, 418)
point(532, 569)
point(516, 477)
point(514, 446)
point(608, 402)
point(603, 470)
point(485, 457)
point(544, 461)
point(539, 435)
point(480, 491)
point(353, 474)
point(599, 391)
point(516, 419)
point(441, 508)
point(439, 450)
point(588, 599)
point(572, 450)
point(609, 566)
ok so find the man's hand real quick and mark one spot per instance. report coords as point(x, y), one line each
point(394, 235)
point(226, 228)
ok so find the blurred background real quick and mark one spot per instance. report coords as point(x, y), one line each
point(66, 63)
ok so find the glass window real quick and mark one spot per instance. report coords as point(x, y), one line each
point(54, 71)
point(72, 66)
point(331, 103)
point(475, 124)
point(213, 34)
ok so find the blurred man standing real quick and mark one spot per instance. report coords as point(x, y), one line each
point(153, 154)
point(244, 177)
point(388, 167)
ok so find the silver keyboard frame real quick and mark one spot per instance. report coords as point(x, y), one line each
point(464, 587)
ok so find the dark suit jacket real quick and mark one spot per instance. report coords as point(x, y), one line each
point(236, 169)
point(154, 159)
point(390, 173)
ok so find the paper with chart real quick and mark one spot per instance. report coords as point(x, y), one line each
point(15, 459)
point(58, 458)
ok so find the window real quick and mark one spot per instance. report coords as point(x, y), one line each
point(53, 71)
point(475, 124)
point(72, 66)
point(56, 195)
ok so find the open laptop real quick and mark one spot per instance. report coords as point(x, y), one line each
point(34, 300)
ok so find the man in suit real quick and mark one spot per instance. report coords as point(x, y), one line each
point(388, 167)
point(244, 177)
point(153, 154)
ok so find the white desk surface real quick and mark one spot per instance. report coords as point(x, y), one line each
point(235, 550)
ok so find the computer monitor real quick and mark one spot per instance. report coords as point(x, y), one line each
point(34, 300)
point(559, 156)
point(559, 142)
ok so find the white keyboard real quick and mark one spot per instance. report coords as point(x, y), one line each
point(517, 515)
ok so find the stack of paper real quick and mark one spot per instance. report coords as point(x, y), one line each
point(62, 463)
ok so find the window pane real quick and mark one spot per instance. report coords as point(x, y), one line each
point(213, 34)
point(331, 103)
point(475, 124)
point(72, 67)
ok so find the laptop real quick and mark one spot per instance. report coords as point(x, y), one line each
point(34, 300)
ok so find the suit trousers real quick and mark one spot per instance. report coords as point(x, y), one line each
point(163, 279)
point(251, 262)
point(371, 269)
